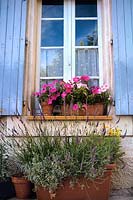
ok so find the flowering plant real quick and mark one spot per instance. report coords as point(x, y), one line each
point(77, 93)
point(80, 94)
point(51, 92)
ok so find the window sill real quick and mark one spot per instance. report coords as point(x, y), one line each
point(70, 118)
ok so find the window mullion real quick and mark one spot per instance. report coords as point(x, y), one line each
point(73, 36)
point(67, 40)
point(100, 42)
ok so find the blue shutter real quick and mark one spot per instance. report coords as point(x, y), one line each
point(122, 17)
point(12, 46)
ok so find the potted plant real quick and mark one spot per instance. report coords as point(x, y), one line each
point(76, 97)
point(23, 187)
point(49, 95)
point(72, 167)
point(6, 186)
point(83, 99)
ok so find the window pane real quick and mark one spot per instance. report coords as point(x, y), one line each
point(86, 8)
point(52, 8)
point(87, 62)
point(86, 33)
point(48, 81)
point(52, 33)
point(51, 63)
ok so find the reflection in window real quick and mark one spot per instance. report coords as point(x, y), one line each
point(52, 8)
point(86, 33)
point(86, 8)
point(52, 33)
point(51, 63)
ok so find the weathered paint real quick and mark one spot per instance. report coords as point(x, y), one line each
point(122, 15)
point(12, 45)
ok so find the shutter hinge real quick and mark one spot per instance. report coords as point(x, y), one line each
point(111, 41)
point(26, 42)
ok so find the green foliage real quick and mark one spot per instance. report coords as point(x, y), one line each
point(3, 163)
point(47, 161)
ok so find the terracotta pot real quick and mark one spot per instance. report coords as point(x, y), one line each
point(92, 110)
point(98, 189)
point(22, 187)
point(46, 108)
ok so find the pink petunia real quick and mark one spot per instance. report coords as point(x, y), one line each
point(96, 90)
point(75, 107)
point(36, 94)
point(85, 78)
point(49, 101)
point(52, 90)
point(63, 95)
point(76, 79)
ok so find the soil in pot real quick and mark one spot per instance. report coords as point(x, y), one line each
point(7, 189)
point(23, 187)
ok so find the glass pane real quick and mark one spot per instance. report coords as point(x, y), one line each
point(86, 33)
point(86, 8)
point(52, 8)
point(52, 33)
point(48, 81)
point(93, 82)
point(51, 63)
point(87, 62)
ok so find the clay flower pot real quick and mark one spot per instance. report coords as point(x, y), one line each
point(98, 189)
point(22, 187)
point(46, 108)
point(91, 110)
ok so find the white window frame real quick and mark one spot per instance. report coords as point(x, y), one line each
point(69, 44)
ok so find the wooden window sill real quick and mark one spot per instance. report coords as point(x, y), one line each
point(69, 118)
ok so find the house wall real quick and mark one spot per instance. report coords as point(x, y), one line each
point(123, 178)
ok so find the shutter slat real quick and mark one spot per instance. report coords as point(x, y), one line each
point(21, 58)
point(13, 23)
point(3, 22)
point(15, 58)
point(129, 49)
point(123, 56)
point(8, 58)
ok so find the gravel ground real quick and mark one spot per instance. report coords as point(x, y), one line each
point(123, 194)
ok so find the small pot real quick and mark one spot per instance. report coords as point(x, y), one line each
point(46, 108)
point(22, 186)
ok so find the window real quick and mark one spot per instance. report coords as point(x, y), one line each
point(70, 40)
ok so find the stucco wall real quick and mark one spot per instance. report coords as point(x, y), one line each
point(123, 177)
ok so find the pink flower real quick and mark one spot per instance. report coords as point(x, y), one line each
point(54, 82)
point(96, 90)
point(104, 88)
point(85, 78)
point(49, 101)
point(76, 79)
point(63, 94)
point(68, 86)
point(75, 107)
point(44, 86)
point(36, 94)
point(43, 90)
point(52, 90)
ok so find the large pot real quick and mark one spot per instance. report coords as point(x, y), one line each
point(23, 187)
point(84, 189)
point(91, 110)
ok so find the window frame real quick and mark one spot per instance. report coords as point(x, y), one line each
point(69, 32)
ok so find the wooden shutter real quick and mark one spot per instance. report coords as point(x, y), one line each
point(122, 17)
point(12, 45)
